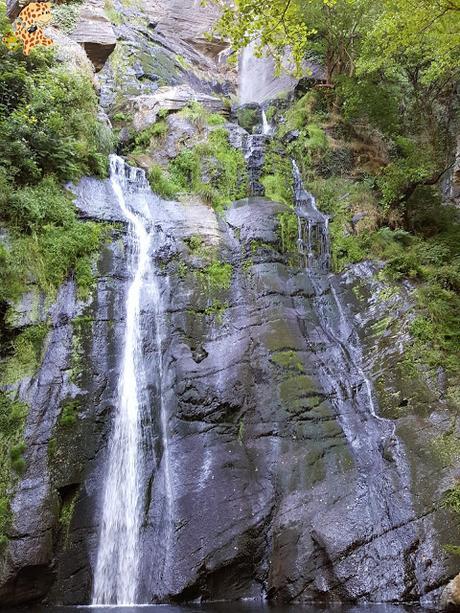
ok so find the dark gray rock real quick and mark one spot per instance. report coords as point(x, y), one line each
point(290, 478)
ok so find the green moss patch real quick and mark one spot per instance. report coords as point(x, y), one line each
point(26, 355)
point(288, 360)
point(13, 414)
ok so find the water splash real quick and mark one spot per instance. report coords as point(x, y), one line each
point(117, 568)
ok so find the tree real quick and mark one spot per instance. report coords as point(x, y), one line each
point(425, 34)
point(346, 33)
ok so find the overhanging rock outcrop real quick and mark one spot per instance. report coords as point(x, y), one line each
point(95, 33)
point(12, 9)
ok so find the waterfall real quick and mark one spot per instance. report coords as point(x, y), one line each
point(254, 154)
point(117, 572)
point(258, 78)
point(266, 127)
point(313, 227)
point(342, 373)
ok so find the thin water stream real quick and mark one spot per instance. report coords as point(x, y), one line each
point(116, 575)
point(117, 572)
point(371, 437)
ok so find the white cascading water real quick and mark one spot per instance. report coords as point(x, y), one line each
point(266, 127)
point(257, 77)
point(116, 574)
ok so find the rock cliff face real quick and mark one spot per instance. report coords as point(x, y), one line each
point(270, 492)
point(302, 456)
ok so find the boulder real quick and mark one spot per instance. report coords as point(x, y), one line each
point(95, 33)
point(450, 598)
point(145, 108)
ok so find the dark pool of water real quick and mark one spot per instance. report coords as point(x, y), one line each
point(232, 607)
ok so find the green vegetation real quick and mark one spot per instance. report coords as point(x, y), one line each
point(258, 244)
point(288, 231)
point(446, 447)
point(218, 276)
point(248, 117)
point(26, 354)
point(69, 413)
point(200, 249)
point(342, 198)
point(149, 137)
point(373, 145)
point(81, 332)
point(214, 170)
point(287, 359)
point(215, 280)
point(350, 35)
point(200, 116)
point(451, 499)
point(12, 418)
point(210, 168)
point(49, 134)
point(66, 514)
point(161, 183)
point(112, 14)
point(66, 14)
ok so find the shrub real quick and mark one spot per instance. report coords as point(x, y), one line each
point(412, 163)
point(218, 276)
point(65, 15)
point(213, 169)
point(161, 183)
point(144, 139)
point(12, 418)
point(69, 413)
point(248, 117)
point(451, 499)
point(27, 352)
point(200, 116)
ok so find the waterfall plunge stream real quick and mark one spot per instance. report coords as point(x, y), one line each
point(117, 569)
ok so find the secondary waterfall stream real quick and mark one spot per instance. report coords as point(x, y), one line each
point(116, 574)
point(378, 453)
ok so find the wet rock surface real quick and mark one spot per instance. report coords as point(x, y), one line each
point(160, 47)
point(275, 491)
point(290, 479)
point(147, 107)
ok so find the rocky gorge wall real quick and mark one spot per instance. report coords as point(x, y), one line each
point(270, 493)
point(252, 434)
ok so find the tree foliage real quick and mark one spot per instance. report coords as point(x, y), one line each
point(373, 34)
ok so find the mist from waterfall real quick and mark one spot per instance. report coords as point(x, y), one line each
point(117, 568)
